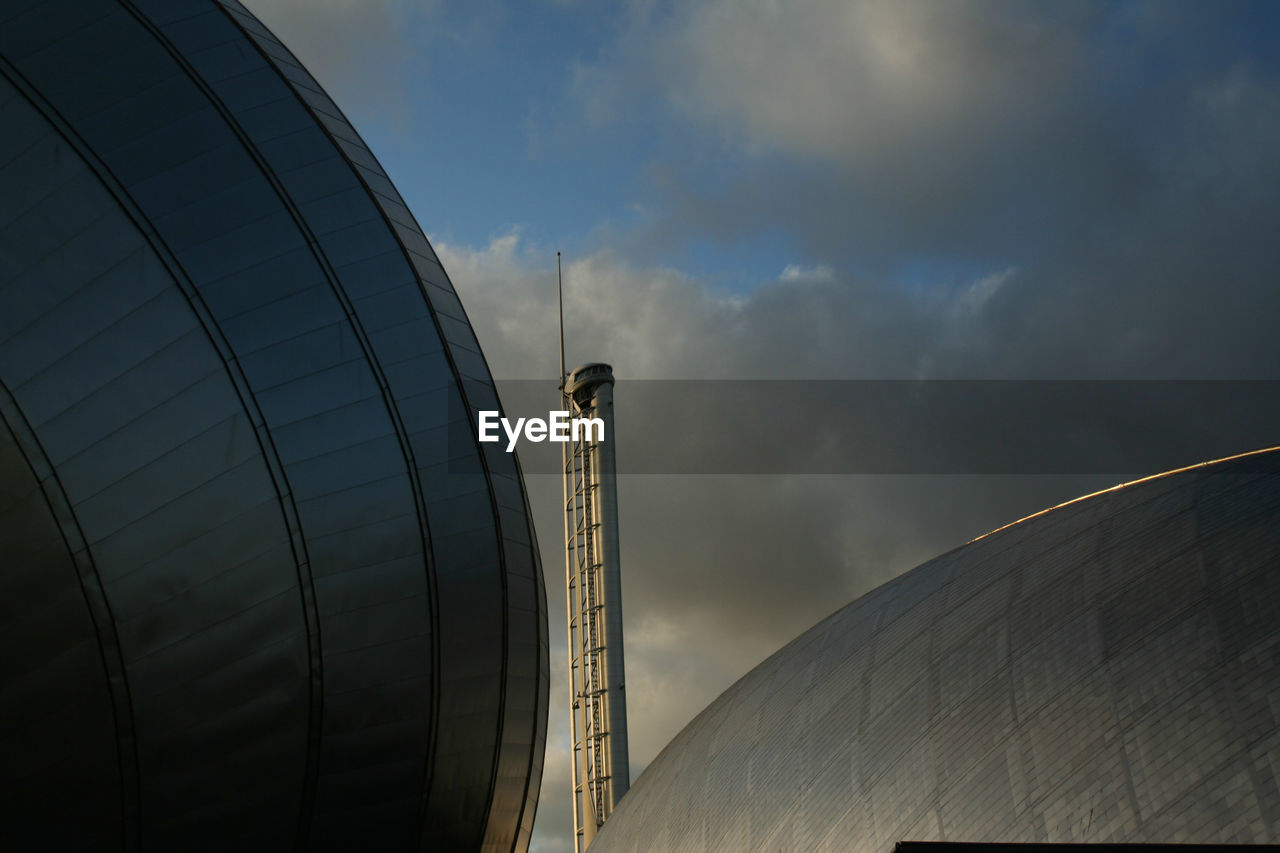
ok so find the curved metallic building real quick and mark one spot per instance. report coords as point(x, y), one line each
point(1108, 670)
point(260, 587)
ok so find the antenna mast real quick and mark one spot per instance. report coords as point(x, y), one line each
point(560, 300)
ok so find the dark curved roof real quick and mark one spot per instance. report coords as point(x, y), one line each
point(1108, 670)
point(261, 584)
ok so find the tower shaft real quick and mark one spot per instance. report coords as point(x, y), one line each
point(597, 674)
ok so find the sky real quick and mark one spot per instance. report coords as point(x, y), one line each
point(836, 190)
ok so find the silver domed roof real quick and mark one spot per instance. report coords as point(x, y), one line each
point(1108, 670)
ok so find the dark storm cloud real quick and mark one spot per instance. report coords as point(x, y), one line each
point(984, 127)
point(1119, 156)
point(995, 191)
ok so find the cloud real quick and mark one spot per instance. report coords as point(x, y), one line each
point(356, 50)
point(986, 134)
point(722, 553)
point(1058, 243)
point(796, 272)
point(721, 571)
point(843, 81)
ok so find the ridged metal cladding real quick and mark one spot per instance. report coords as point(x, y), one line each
point(260, 587)
point(1106, 671)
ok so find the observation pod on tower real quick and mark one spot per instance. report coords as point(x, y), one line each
point(597, 674)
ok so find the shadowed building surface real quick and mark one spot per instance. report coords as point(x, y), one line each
point(261, 587)
point(1106, 671)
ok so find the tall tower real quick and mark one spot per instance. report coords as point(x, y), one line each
point(597, 676)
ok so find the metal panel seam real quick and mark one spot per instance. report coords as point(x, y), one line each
point(208, 323)
point(104, 622)
point(462, 392)
point(361, 336)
